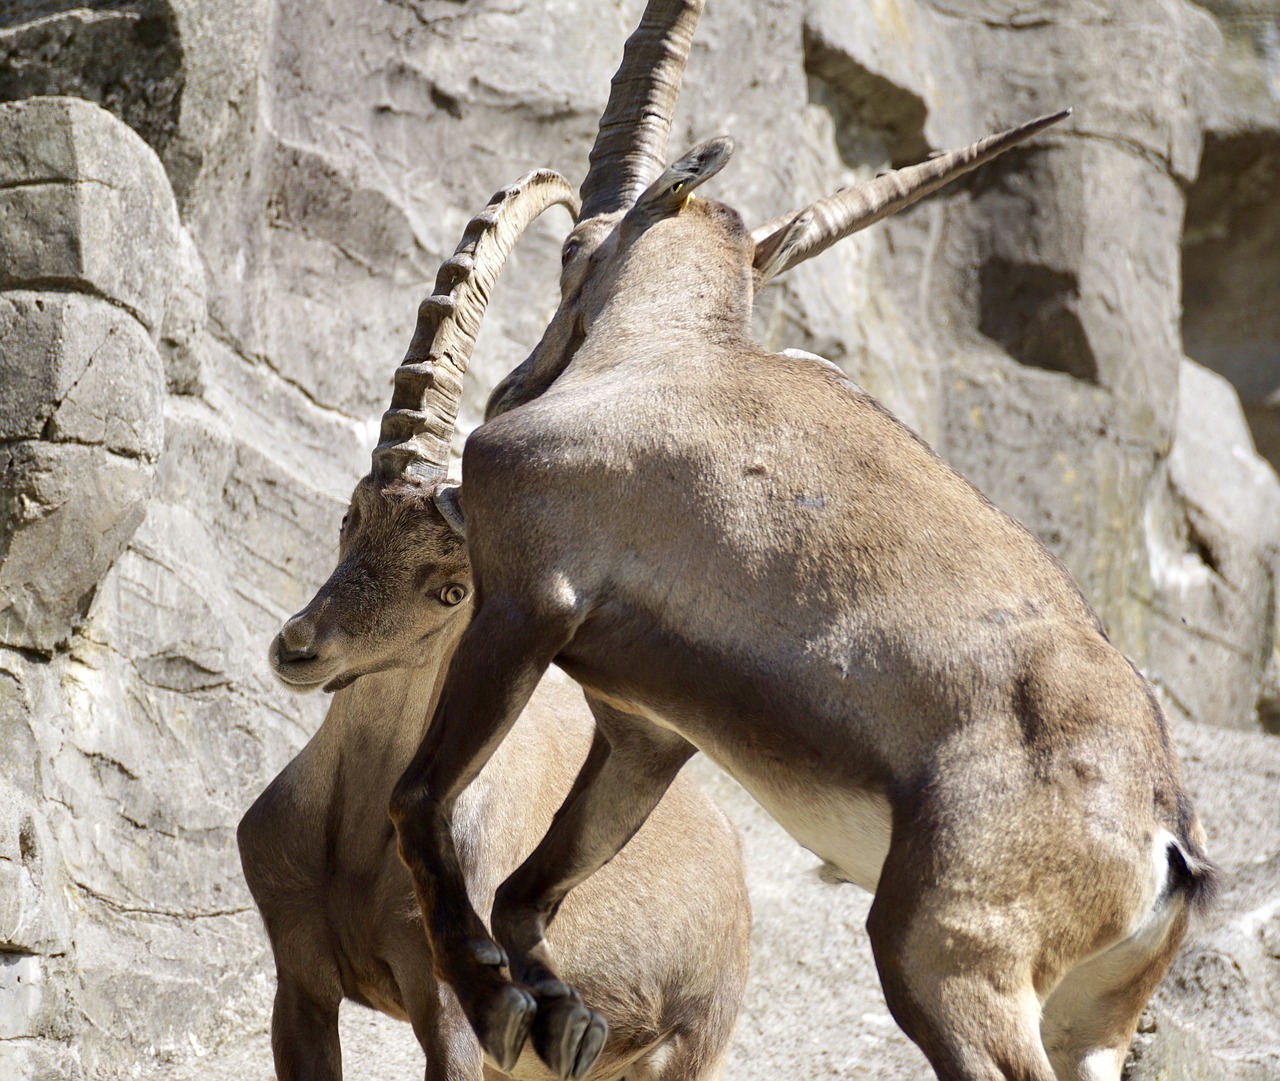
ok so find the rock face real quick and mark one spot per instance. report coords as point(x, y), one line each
point(1231, 243)
point(82, 380)
point(216, 220)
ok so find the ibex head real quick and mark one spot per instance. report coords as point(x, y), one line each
point(400, 594)
point(702, 248)
point(402, 590)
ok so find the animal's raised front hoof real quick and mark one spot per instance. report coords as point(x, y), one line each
point(502, 1020)
point(567, 1036)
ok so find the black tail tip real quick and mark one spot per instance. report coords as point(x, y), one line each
point(1196, 877)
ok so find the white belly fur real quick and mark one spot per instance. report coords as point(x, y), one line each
point(848, 831)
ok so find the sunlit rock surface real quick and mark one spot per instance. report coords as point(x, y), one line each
point(216, 221)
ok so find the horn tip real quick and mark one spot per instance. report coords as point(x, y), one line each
point(1053, 118)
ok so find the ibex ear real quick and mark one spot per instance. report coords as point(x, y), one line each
point(450, 507)
point(672, 189)
point(773, 252)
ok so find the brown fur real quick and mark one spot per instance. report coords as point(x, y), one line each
point(745, 553)
point(658, 940)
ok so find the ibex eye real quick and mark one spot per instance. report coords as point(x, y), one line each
point(452, 594)
point(570, 250)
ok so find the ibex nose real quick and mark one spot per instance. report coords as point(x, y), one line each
point(289, 656)
point(294, 643)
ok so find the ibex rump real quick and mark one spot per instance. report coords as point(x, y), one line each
point(744, 553)
point(659, 937)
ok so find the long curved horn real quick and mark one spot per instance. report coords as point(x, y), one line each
point(792, 238)
point(417, 429)
point(631, 146)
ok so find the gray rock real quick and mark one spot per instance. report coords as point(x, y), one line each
point(179, 72)
point(1214, 560)
point(1231, 240)
point(74, 369)
point(48, 51)
point(34, 920)
point(71, 176)
point(66, 513)
point(1269, 688)
point(183, 323)
point(225, 47)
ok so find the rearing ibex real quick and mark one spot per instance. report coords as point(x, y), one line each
point(744, 553)
point(659, 937)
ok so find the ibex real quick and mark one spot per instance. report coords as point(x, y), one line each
point(746, 554)
point(659, 938)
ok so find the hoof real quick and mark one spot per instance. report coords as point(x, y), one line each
point(567, 1036)
point(504, 1023)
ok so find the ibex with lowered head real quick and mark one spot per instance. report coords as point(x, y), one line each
point(658, 939)
point(744, 553)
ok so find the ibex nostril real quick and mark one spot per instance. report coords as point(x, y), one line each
point(292, 656)
point(295, 643)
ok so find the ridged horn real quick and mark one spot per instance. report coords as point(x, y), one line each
point(631, 146)
point(417, 429)
point(789, 239)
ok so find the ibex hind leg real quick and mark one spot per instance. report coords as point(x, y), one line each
point(1090, 1018)
point(972, 1011)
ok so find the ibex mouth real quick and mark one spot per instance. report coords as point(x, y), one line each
point(300, 672)
point(299, 684)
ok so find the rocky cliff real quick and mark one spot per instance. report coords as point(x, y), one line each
point(216, 220)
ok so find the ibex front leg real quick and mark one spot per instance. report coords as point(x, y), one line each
point(498, 663)
point(304, 1032)
point(631, 764)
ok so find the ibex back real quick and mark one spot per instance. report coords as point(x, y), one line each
point(744, 553)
